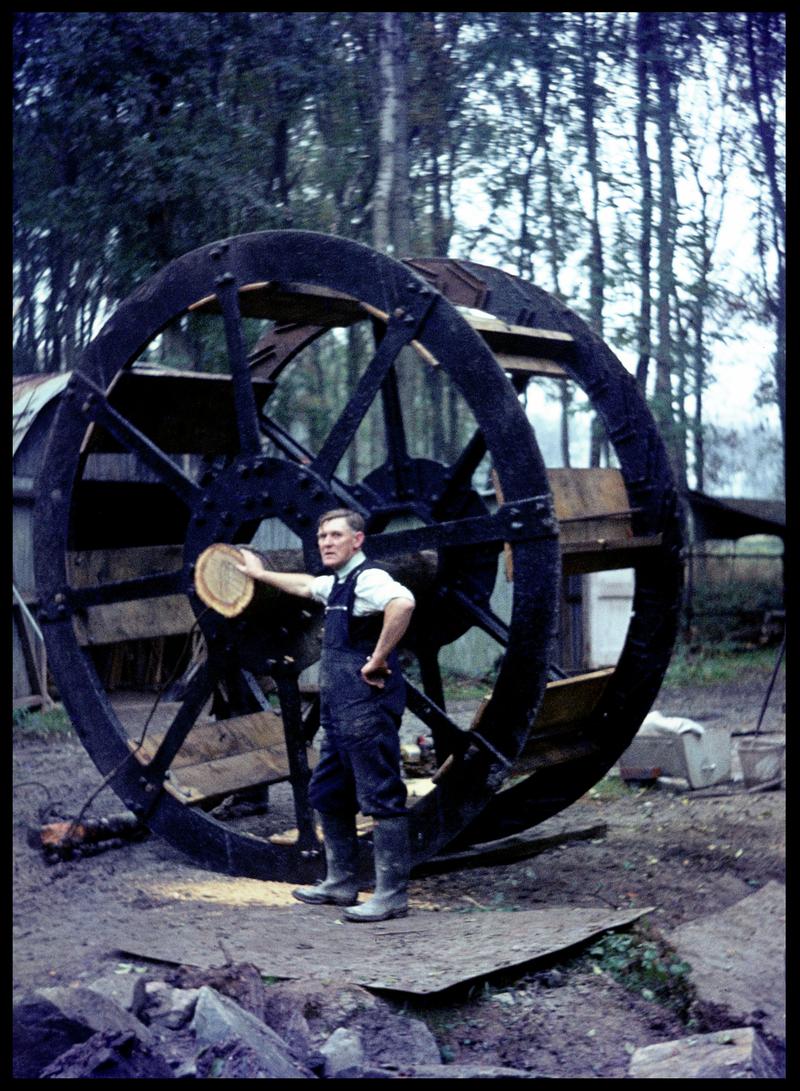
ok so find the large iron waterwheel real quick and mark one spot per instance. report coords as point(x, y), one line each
point(244, 719)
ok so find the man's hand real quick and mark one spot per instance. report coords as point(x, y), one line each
point(251, 565)
point(375, 672)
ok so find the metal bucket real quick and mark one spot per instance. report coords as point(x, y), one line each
point(761, 758)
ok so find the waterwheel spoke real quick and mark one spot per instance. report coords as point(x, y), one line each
point(481, 615)
point(428, 660)
point(296, 452)
point(400, 331)
point(243, 396)
point(97, 408)
point(521, 521)
point(156, 585)
point(460, 474)
point(452, 739)
point(396, 444)
point(198, 691)
point(294, 731)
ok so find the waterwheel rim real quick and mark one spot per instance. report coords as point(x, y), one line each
point(628, 695)
point(412, 312)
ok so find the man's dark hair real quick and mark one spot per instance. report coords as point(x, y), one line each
point(353, 519)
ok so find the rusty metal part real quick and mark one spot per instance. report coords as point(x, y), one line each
point(62, 840)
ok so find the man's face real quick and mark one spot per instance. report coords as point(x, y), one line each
point(337, 542)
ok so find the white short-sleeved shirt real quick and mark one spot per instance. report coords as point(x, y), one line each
point(374, 587)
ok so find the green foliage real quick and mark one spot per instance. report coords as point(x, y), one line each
point(139, 136)
point(646, 966)
point(715, 664)
point(611, 788)
point(41, 725)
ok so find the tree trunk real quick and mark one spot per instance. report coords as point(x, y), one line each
point(759, 23)
point(662, 402)
point(588, 77)
point(644, 31)
point(385, 186)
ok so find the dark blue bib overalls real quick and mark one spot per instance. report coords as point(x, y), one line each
point(359, 766)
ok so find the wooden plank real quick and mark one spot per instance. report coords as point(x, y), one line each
point(169, 615)
point(566, 701)
point(224, 756)
point(545, 753)
point(214, 739)
point(523, 341)
point(88, 567)
point(535, 366)
point(596, 491)
point(569, 699)
point(553, 831)
point(139, 618)
point(303, 303)
point(604, 554)
point(194, 784)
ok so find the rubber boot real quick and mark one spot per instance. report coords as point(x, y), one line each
point(340, 885)
point(392, 865)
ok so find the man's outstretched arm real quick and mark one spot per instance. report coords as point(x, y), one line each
point(293, 583)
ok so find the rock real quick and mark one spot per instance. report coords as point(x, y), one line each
point(392, 1040)
point(95, 1011)
point(109, 1055)
point(50, 1021)
point(40, 1032)
point(323, 1006)
point(387, 1039)
point(232, 1061)
point(218, 1020)
point(343, 1053)
point(728, 952)
point(465, 1072)
point(126, 989)
point(167, 1006)
point(239, 981)
point(724, 1055)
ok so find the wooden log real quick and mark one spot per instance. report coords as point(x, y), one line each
point(60, 839)
point(219, 583)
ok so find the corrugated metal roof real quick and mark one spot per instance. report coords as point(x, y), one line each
point(30, 394)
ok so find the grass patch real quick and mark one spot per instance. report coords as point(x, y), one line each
point(457, 688)
point(719, 663)
point(41, 725)
point(611, 788)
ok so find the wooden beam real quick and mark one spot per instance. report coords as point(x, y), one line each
point(225, 756)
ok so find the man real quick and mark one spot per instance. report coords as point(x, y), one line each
point(362, 696)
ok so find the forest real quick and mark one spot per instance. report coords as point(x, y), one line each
point(630, 163)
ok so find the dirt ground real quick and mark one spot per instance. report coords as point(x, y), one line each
point(687, 854)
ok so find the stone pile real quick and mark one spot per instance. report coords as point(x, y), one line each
point(223, 1024)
